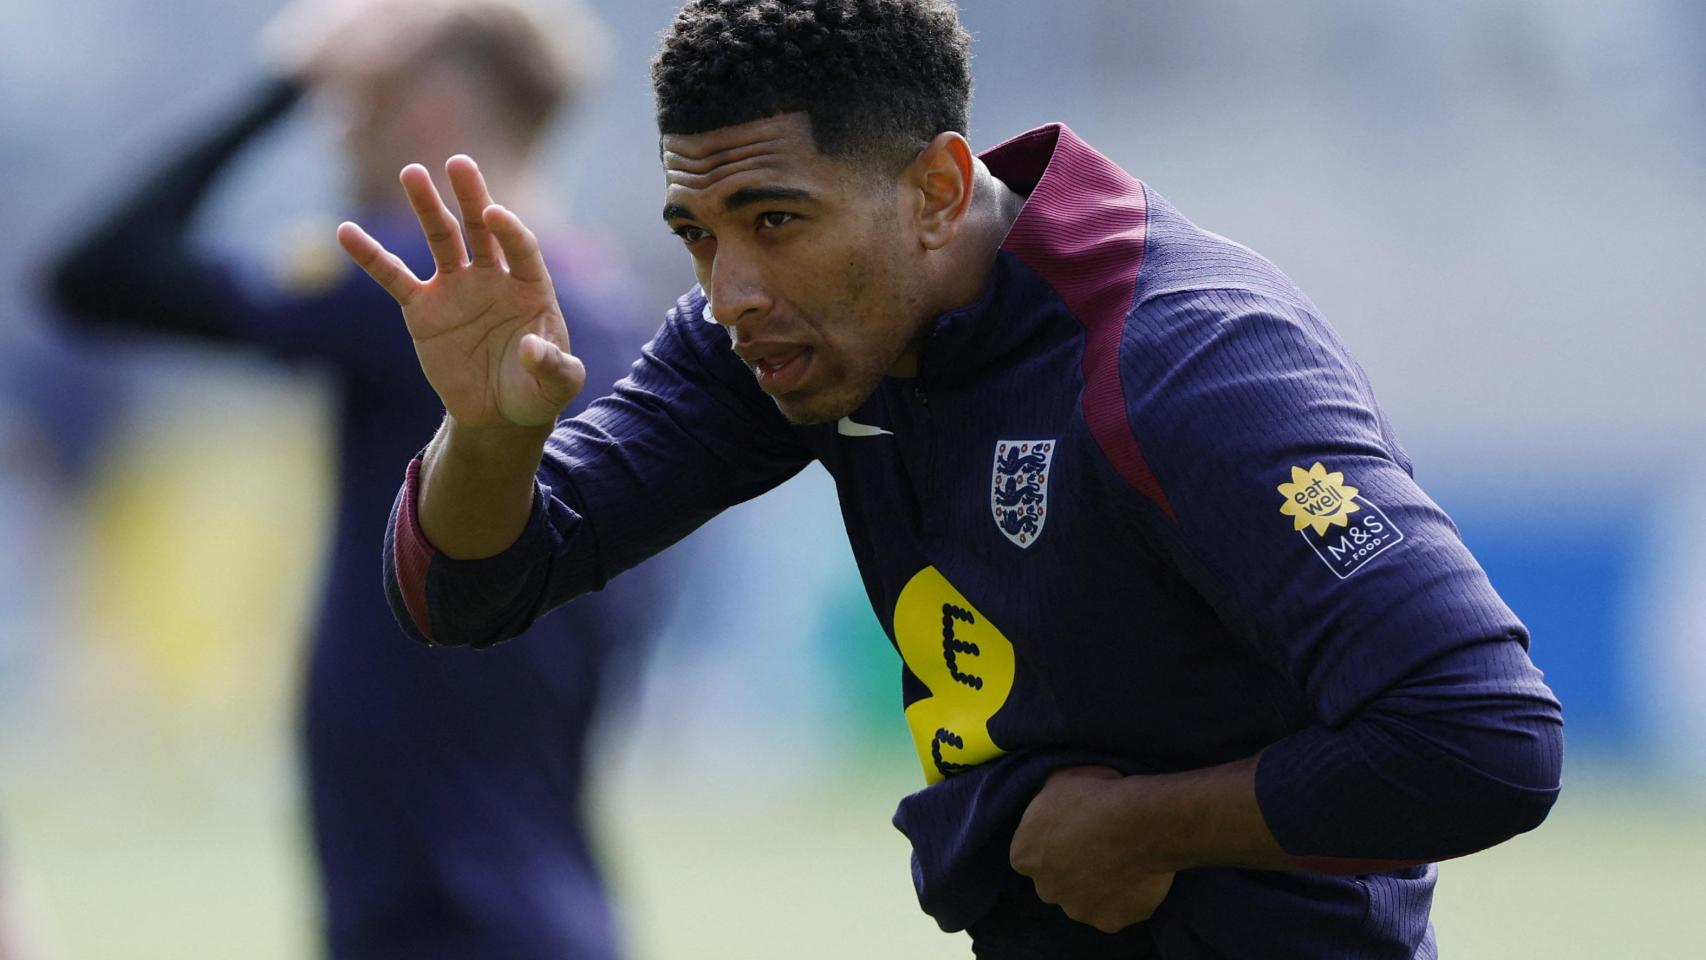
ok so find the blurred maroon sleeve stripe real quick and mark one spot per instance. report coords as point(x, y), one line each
point(412, 554)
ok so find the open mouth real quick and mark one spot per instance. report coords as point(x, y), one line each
point(782, 372)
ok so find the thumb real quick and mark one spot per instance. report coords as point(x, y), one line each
point(560, 375)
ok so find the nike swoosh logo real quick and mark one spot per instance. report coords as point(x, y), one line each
point(847, 428)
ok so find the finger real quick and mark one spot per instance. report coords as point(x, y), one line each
point(1142, 898)
point(1106, 916)
point(472, 199)
point(1024, 852)
point(559, 374)
point(381, 264)
point(443, 234)
point(520, 246)
point(1114, 917)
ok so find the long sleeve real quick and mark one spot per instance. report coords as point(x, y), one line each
point(136, 267)
point(1293, 512)
point(138, 270)
point(685, 435)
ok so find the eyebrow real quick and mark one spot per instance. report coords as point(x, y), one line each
point(745, 197)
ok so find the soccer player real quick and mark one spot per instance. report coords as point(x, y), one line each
point(446, 792)
point(1192, 666)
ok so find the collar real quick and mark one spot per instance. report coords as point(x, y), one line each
point(1081, 231)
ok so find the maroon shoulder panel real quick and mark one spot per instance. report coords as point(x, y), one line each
point(1083, 229)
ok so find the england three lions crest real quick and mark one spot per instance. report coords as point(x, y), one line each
point(1018, 489)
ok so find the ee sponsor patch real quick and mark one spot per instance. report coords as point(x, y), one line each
point(967, 664)
point(1344, 528)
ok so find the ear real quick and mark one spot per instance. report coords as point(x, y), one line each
point(941, 175)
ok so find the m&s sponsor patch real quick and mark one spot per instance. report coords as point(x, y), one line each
point(1344, 528)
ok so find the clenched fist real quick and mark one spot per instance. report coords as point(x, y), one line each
point(1083, 854)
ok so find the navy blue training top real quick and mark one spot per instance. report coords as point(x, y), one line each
point(1138, 507)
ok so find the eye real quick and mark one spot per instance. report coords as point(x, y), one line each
point(775, 218)
point(690, 234)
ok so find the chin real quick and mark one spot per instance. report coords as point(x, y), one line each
point(829, 401)
point(806, 411)
point(806, 415)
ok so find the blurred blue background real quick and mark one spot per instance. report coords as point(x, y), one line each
point(1501, 206)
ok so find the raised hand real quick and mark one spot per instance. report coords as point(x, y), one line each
point(487, 329)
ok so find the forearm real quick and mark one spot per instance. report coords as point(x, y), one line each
point(1463, 756)
point(1198, 818)
point(135, 266)
point(477, 487)
point(175, 191)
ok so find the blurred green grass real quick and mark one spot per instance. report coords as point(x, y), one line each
point(124, 862)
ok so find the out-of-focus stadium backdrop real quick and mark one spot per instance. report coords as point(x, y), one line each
point(1501, 205)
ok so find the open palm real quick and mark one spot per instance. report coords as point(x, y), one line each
point(487, 329)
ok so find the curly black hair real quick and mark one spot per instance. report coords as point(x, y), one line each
point(877, 78)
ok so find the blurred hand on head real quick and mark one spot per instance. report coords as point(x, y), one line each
point(317, 42)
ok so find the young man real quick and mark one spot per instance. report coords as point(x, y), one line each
point(1192, 666)
point(446, 792)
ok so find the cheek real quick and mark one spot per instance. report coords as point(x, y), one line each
point(891, 310)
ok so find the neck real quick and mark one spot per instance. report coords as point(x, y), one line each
point(964, 273)
point(994, 207)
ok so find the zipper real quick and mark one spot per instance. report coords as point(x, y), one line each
point(929, 515)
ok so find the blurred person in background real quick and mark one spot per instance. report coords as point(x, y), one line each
point(1192, 666)
point(56, 408)
point(446, 792)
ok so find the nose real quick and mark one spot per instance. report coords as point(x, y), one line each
point(736, 291)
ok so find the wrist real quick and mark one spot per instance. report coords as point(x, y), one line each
point(476, 487)
point(502, 447)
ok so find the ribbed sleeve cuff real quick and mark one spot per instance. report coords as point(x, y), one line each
point(475, 603)
point(412, 555)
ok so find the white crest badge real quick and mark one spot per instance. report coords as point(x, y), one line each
point(1018, 489)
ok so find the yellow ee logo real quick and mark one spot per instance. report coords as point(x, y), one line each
point(1316, 498)
point(968, 666)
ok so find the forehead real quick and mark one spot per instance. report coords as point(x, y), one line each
point(773, 152)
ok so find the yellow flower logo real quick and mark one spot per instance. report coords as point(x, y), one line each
point(1316, 498)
